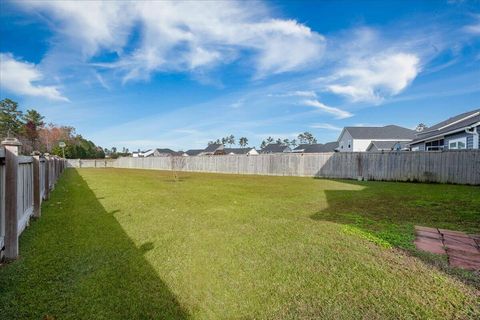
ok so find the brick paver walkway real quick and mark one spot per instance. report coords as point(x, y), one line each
point(463, 250)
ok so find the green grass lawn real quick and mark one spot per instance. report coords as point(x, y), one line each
point(135, 244)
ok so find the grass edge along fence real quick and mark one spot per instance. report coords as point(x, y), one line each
point(457, 167)
point(25, 182)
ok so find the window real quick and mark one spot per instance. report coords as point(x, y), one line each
point(435, 145)
point(349, 144)
point(459, 143)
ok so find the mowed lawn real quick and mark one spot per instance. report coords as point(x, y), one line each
point(136, 244)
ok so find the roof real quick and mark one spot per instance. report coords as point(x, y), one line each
point(237, 150)
point(194, 152)
point(387, 145)
point(213, 147)
point(451, 125)
point(166, 150)
point(317, 147)
point(274, 148)
point(391, 132)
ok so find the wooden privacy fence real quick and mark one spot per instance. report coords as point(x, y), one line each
point(25, 181)
point(460, 167)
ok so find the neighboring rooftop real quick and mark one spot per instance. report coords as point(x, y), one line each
point(391, 132)
point(194, 152)
point(388, 145)
point(275, 148)
point(456, 123)
point(237, 150)
point(213, 147)
point(317, 147)
point(166, 150)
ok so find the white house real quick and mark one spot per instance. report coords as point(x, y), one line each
point(237, 151)
point(358, 139)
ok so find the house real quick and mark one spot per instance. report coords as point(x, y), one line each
point(213, 149)
point(193, 152)
point(358, 139)
point(141, 154)
point(275, 148)
point(458, 132)
point(316, 147)
point(388, 146)
point(162, 153)
point(238, 151)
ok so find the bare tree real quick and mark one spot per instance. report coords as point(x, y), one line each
point(177, 165)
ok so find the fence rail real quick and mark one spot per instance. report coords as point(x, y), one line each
point(25, 181)
point(459, 167)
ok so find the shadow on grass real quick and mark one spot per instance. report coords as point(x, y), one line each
point(386, 212)
point(78, 263)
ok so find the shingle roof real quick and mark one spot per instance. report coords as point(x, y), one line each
point(213, 147)
point(387, 145)
point(237, 150)
point(317, 147)
point(387, 132)
point(194, 152)
point(274, 148)
point(456, 123)
point(166, 150)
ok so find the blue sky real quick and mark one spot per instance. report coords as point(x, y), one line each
point(178, 74)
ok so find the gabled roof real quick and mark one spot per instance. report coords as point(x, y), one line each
point(237, 150)
point(275, 148)
point(213, 147)
point(166, 150)
point(194, 152)
point(317, 147)
point(451, 125)
point(390, 132)
point(386, 145)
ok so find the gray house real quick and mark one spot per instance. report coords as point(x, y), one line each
point(163, 153)
point(358, 139)
point(316, 147)
point(275, 148)
point(458, 132)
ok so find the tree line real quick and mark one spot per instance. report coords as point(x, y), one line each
point(35, 135)
point(302, 138)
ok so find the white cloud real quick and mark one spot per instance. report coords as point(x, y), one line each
point(338, 113)
point(373, 78)
point(326, 126)
point(474, 28)
point(21, 78)
point(181, 36)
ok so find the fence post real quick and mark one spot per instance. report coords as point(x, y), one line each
point(12, 146)
point(46, 192)
point(37, 189)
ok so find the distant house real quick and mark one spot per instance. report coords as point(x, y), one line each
point(275, 148)
point(358, 139)
point(193, 152)
point(316, 147)
point(458, 132)
point(141, 154)
point(213, 149)
point(388, 146)
point(163, 153)
point(236, 151)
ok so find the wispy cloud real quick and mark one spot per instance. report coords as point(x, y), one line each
point(298, 93)
point(22, 78)
point(338, 113)
point(326, 126)
point(181, 36)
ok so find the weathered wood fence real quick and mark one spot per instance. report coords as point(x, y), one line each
point(25, 181)
point(460, 167)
